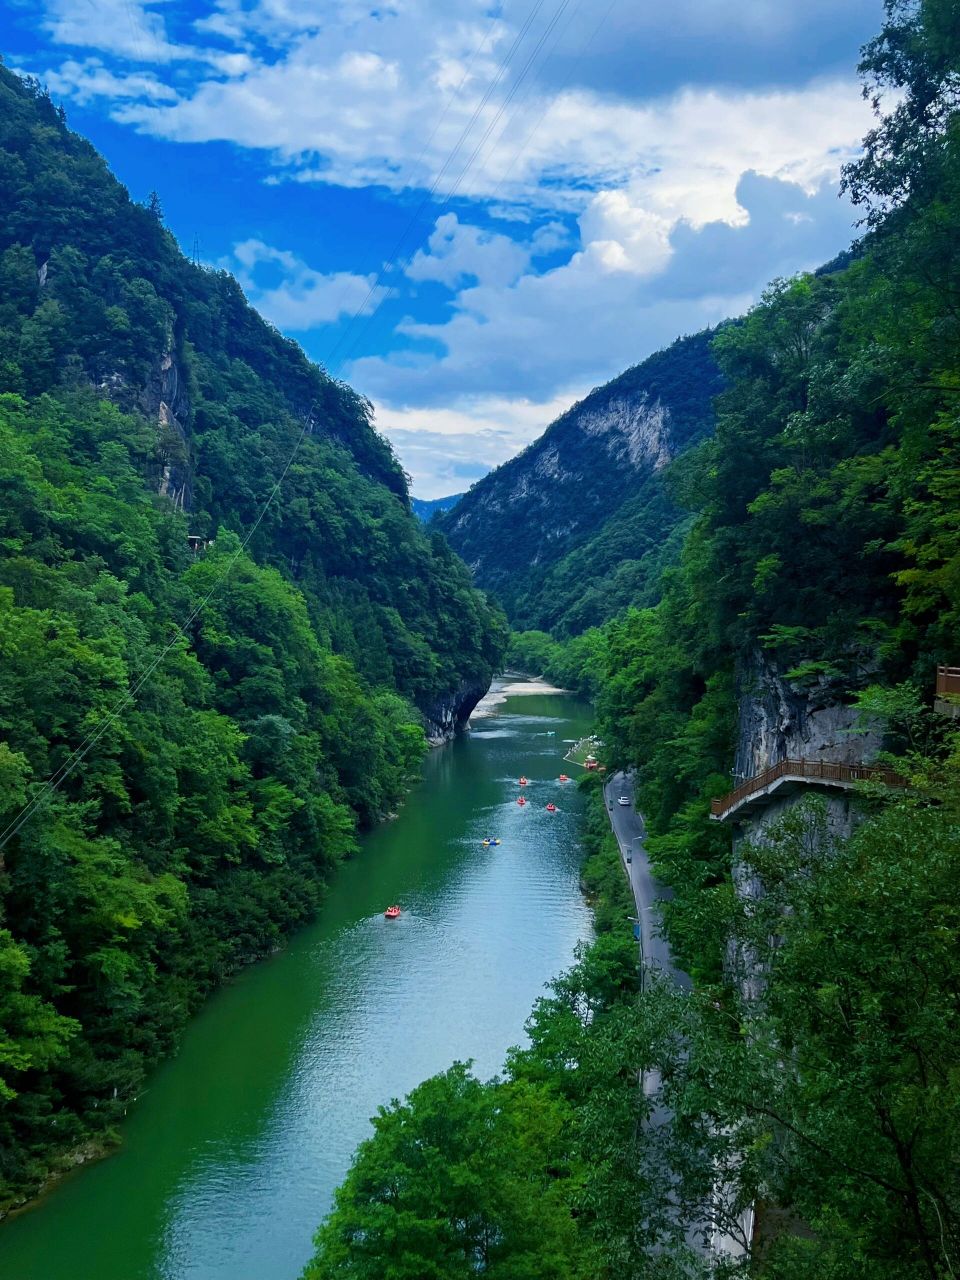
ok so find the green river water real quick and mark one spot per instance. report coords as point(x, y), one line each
point(230, 1157)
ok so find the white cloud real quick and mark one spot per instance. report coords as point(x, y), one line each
point(366, 122)
point(129, 28)
point(688, 188)
point(445, 450)
point(625, 236)
point(547, 336)
point(400, 97)
point(88, 80)
point(456, 252)
point(301, 298)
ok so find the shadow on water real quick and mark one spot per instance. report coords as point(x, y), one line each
point(230, 1158)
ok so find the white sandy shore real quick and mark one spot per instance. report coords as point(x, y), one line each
point(507, 686)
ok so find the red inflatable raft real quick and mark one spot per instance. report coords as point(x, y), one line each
point(551, 808)
point(392, 913)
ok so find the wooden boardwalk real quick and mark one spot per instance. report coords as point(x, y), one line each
point(819, 773)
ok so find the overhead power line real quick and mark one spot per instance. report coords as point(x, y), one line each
point(76, 757)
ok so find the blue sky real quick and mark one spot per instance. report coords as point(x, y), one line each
point(473, 212)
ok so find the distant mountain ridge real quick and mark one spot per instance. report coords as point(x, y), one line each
point(425, 508)
point(581, 522)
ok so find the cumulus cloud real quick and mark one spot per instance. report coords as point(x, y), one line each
point(402, 98)
point(507, 336)
point(131, 29)
point(456, 252)
point(646, 179)
point(624, 236)
point(445, 450)
point(686, 153)
point(85, 81)
point(292, 294)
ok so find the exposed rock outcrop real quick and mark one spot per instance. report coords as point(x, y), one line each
point(164, 400)
point(447, 715)
point(779, 720)
point(604, 456)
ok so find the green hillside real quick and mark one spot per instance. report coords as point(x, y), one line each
point(582, 522)
point(220, 719)
point(811, 1071)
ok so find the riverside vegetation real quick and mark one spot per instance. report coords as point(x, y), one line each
point(210, 808)
point(817, 524)
point(824, 533)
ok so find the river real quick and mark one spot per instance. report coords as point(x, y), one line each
point(230, 1157)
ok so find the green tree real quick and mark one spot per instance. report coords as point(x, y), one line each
point(461, 1179)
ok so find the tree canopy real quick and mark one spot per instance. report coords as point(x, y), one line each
point(228, 679)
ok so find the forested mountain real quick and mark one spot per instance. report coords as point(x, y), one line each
point(582, 522)
point(426, 508)
point(220, 716)
point(814, 1069)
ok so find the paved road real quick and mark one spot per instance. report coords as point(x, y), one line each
point(630, 830)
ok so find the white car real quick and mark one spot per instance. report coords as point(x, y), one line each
point(624, 800)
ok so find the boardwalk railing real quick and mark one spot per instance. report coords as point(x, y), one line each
point(813, 771)
point(948, 680)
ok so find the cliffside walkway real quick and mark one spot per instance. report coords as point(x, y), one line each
point(791, 774)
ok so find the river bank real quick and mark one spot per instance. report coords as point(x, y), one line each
point(230, 1157)
point(68, 1160)
point(510, 685)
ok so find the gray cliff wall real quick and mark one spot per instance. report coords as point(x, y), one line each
point(447, 715)
point(779, 720)
point(164, 400)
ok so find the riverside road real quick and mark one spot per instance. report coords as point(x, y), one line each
point(630, 830)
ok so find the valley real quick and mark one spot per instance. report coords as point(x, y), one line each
point(314, 962)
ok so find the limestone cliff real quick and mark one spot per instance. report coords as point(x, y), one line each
point(164, 401)
point(779, 719)
point(585, 510)
point(450, 713)
point(782, 720)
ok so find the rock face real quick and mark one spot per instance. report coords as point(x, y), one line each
point(525, 518)
point(450, 713)
point(778, 720)
point(164, 400)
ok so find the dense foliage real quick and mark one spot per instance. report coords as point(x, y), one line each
point(502, 1178)
point(221, 716)
point(426, 508)
point(582, 522)
point(855, 1145)
point(813, 1070)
